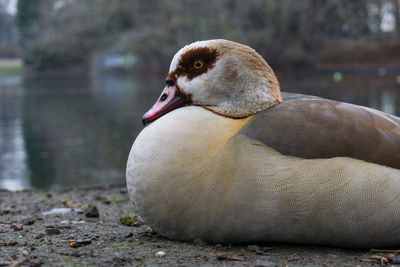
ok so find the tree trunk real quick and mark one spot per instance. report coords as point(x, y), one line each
point(397, 16)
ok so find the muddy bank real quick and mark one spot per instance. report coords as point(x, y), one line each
point(82, 227)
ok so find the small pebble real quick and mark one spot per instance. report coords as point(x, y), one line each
point(129, 235)
point(71, 236)
point(29, 221)
point(16, 226)
point(52, 231)
point(79, 243)
point(22, 252)
point(75, 254)
point(56, 211)
point(160, 254)
point(92, 212)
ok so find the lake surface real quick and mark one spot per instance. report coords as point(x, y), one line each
point(72, 131)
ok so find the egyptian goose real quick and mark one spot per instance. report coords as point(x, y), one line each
point(229, 158)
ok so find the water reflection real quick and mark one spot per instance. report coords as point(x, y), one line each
point(77, 131)
point(388, 101)
point(13, 168)
point(379, 92)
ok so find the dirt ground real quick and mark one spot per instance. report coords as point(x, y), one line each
point(82, 227)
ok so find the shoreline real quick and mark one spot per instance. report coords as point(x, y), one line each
point(11, 65)
point(8, 65)
point(63, 228)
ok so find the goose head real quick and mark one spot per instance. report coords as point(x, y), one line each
point(225, 77)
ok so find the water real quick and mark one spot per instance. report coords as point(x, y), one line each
point(69, 131)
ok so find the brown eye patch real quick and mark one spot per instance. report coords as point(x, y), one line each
point(186, 65)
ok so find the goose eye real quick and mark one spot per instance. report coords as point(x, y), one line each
point(198, 64)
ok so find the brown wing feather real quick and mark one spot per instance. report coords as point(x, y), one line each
point(311, 127)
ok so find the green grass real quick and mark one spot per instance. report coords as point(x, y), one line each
point(12, 68)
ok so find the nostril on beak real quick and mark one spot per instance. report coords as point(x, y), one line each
point(163, 97)
point(170, 82)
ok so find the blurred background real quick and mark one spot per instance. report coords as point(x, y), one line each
point(76, 76)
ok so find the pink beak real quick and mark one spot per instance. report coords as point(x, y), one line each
point(169, 100)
